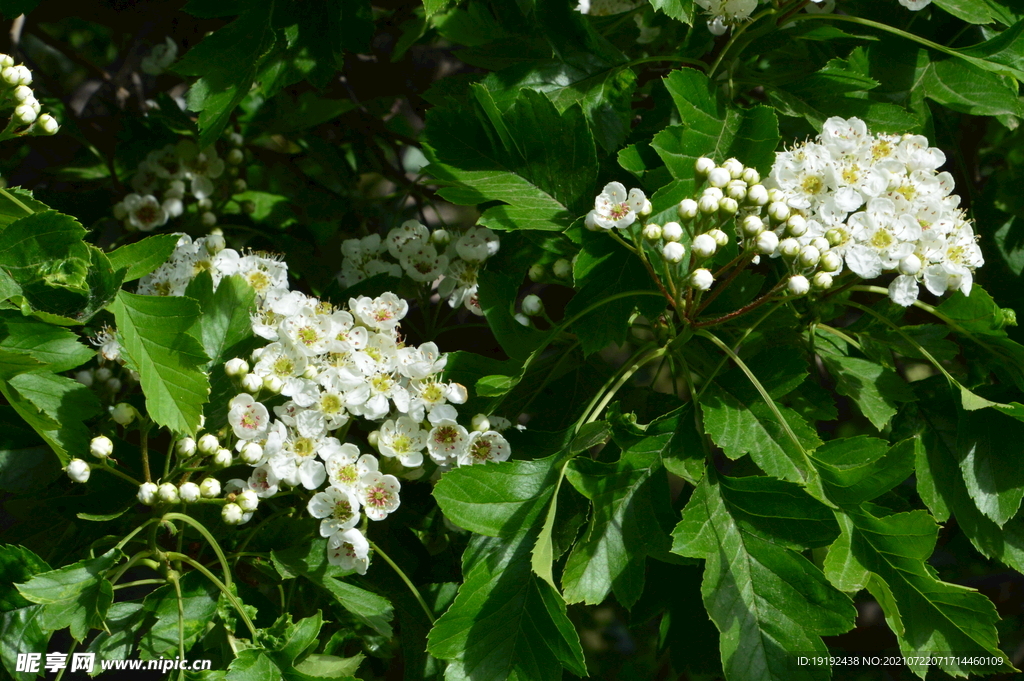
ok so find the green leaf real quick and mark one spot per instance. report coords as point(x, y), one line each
point(17, 564)
point(677, 9)
point(74, 596)
point(199, 601)
point(330, 666)
point(11, 211)
point(21, 632)
point(971, 11)
point(432, 7)
point(624, 526)
point(875, 389)
point(142, 257)
point(545, 178)
point(225, 320)
point(153, 333)
point(992, 462)
point(767, 600)
point(498, 499)
point(862, 468)
point(310, 561)
point(497, 293)
point(54, 346)
point(123, 621)
point(740, 422)
point(55, 407)
point(711, 127)
point(226, 63)
point(926, 614)
point(506, 623)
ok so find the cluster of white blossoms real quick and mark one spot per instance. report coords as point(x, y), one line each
point(333, 365)
point(18, 101)
point(881, 205)
point(425, 257)
point(170, 177)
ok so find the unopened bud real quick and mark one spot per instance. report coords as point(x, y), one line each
point(789, 248)
point(673, 251)
point(123, 413)
point(210, 488)
point(440, 237)
point(273, 384)
point(752, 225)
point(167, 493)
point(719, 177)
point(798, 285)
point(835, 237)
point(703, 166)
point(687, 210)
point(252, 453)
point(208, 219)
point(750, 176)
point(757, 195)
point(532, 305)
point(103, 374)
point(562, 268)
point(223, 458)
point(720, 237)
point(672, 231)
point(247, 500)
point(767, 242)
point(778, 211)
point(652, 232)
point(252, 384)
point(235, 156)
point(736, 190)
point(910, 264)
point(821, 243)
point(708, 205)
point(215, 244)
point(704, 246)
point(796, 225)
point(480, 423)
point(232, 514)
point(189, 492)
point(101, 447)
point(236, 367)
point(147, 493)
point(78, 470)
point(728, 205)
point(734, 167)
point(46, 125)
point(809, 256)
point(830, 262)
point(701, 279)
point(208, 444)
point(821, 281)
point(646, 209)
point(536, 272)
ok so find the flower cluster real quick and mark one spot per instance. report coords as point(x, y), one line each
point(881, 205)
point(334, 366)
point(424, 257)
point(170, 176)
point(19, 102)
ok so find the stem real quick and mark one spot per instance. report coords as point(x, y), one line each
point(743, 310)
point(140, 582)
point(682, 60)
point(209, 538)
point(408, 582)
point(128, 565)
point(734, 37)
point(757, 384)
point(607, 384)
point(15, 201)
point(144, 446)
point(628, 374)
point(140, 528)
point(736, 348)
point(103, 466)
point(838, 334)
point(181, 617)
point(174, 555)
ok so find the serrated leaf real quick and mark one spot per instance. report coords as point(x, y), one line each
point(153, 334)
point(545, 178)
point(123, 621)
point(55, 407)
point(199, 601)
point(54, 346)
point(505, 623)
point(925, 613)
point(992, 462)
point(11, 210)
point(862, 468)
point(875, 389)
point(17, 564)
point(74, 596)
point(21, 632)
point(682, 10)
point(225, 321)
point(768, 601)
point(142, 257)
point(711, 127)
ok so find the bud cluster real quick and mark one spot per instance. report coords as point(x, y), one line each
point(18, 102)
point(424, 256)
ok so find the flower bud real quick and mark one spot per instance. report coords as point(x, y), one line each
point(208, 219)
point(480, 423)
point(821, 243)
point(236, 367)
point(147, 493)
point(532, 305)
point(736, 190)
point(536, 272)
point(910, 264)
point(562, 268)
point(311, 371)
point(720, 237)
point(789, 248)
point(78, 470)
point(704, 246)
point(778, 211)
point(590, 222)
point(114, 385)
point(835, 237)
point(204, 204)
point(750, 176)
point(809, 256)
point(652, 232)
point(752, 225)
point(798, 285)
point(701, 279)
point(767, 242)
point(273, 384)
point(776, 194)
point(189, 492)
point(222, 459)
point(214, 243)
point(719, 177)
point(25, 114)
point(232, 514)
point(796, 225)
point(247, 500)
point(85, 377)
point(673, 251)
point(101, 447)
point(821, 281)
point(646, 209)
point(672, 231)
point(703, 166)
point(757, 195)
point(252, 384)
point(714, 192)
point(440, 237)
point(734, 167)
point(208, 444)
point(6, 60)
point(374, 437)
point(103, 374)
point(46, 125)
point(210, 488)
point(252, 453)
point(687, 210)
point(708, 204)
point(830, 262)
point(123, 413)
point(728, 205)
point(167, 493)
point(235, 156)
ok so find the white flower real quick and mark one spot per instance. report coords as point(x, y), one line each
point(160, 57)
point(399, 237)
point(380, 314)
point(421, 261)
point(248, 418)
point(263, 481)
point(613, 208)
point(485, 446)
point(477, 244)
point(349, 550)
point(379, 494)
point(338, 509)
point(145, 213)
point(403, 439)
point(446, 441)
